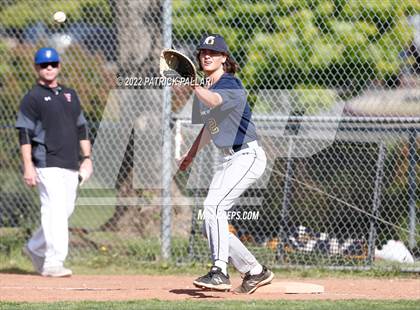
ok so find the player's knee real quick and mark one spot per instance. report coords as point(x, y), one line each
point(209, 213)
point(217, 204)
point(209, 202)
point(209, 207)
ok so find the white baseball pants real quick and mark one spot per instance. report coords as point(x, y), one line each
point(57, 190)
point(233, 176)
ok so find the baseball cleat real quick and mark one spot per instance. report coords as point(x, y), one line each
point(215, 280)
point(37, 261)
point(56, 272)
point(250, 283)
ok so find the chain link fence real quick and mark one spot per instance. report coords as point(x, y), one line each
point(334, 87)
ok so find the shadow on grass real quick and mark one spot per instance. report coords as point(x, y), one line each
point(15, 270)
point(196, 293)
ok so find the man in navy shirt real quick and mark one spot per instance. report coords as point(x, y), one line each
point(223, 109)
point(53, 135)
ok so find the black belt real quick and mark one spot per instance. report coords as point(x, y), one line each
point(236, 148)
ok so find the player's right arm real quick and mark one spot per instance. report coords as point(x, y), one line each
point(29, 172)
point(25, 123)
point(201, 141)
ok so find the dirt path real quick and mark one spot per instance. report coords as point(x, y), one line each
point(101, 288)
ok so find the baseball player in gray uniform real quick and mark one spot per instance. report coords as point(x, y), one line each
point(53, 135)
point(223, 109)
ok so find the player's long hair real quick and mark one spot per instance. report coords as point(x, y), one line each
point(229, 66)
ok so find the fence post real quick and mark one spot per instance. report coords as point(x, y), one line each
point(376, 201)
point(291, 130)
point(287, 197)
point(167, 144)
point(412, 186)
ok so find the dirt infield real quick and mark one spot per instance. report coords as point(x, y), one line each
point(33, 288)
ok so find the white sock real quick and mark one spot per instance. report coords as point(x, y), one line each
point(256, 270)
point(222, 265)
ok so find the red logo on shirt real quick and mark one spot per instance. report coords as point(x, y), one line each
point(68, 96)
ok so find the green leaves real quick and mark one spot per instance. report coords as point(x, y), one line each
point(292, 43)
point(21, 14)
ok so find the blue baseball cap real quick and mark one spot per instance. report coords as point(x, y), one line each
point(214, 42)
point(46, 54)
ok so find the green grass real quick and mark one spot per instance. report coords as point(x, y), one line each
point(113, 265)
point(121, 254)
point(226, 305)
point(90, 217)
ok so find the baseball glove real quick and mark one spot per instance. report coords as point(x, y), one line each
point(174, 64)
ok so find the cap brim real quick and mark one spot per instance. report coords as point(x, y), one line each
point(46, 61)
point(212, 48)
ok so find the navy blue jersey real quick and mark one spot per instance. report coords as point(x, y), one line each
point(55, 121)
point(230, 124)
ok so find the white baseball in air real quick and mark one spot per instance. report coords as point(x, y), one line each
point(59, 17)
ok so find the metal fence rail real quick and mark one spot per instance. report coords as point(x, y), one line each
point(334, 88)
point(328, 241)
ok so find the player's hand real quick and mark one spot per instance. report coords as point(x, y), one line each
point(86, 170)
point(194, 85)
point(185, 161)
point(30, 176)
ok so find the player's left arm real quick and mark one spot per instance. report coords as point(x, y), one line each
point(86, 166)
point(209, 98)
point(85, 148)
